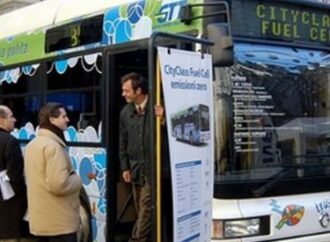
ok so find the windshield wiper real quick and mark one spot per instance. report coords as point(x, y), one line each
point(282, 174)
point(269, 185)
point(310, 156)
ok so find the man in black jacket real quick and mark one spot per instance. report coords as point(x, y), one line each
point(134, 149)
point(12, 210)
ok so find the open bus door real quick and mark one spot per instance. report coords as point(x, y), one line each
point(120, 60)
point(123, 59)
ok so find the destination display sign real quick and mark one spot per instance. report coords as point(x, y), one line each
point(283, 21)
point(83, 32)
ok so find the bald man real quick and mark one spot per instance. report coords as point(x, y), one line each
point(12, 210)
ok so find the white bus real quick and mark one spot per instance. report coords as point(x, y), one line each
point(272, 105)
point(192, 124)
point(273, 123)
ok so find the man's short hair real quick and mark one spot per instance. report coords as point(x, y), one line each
point(3, 111)
point(138, 81)
point(49, 110)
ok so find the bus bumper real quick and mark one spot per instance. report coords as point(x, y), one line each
point(311, 238)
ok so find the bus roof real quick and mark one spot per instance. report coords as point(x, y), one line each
point(56, 27)
point(50, 12)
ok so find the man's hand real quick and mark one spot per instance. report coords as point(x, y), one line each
point(127, 176)
point(159, 111)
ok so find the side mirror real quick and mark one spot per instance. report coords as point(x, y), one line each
point(222, 50)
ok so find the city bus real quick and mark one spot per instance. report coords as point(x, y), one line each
point(272, 118)
point(192, 124)
point(273, 122)
point(75, 52)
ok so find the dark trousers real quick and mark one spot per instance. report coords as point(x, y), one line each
point(142, 202)
point(28, 239)
point(58, 238)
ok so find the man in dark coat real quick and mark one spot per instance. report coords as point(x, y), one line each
point(134, 150)
point(12, 226)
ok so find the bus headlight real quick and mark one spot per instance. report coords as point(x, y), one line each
point(240, 227)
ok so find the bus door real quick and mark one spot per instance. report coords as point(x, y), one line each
point(121, 60)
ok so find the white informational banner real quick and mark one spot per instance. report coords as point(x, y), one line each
point(188, 94)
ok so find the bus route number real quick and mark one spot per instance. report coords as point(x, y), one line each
point(75, 35)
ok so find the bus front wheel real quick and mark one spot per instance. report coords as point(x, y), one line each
point(191, 139)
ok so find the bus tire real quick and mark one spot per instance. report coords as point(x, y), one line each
point(85, 229)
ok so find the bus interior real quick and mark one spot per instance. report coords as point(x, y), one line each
point(132, 59)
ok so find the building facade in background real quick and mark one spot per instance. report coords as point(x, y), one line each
point(9, 5)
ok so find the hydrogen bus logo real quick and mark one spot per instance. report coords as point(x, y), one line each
point(291, 214)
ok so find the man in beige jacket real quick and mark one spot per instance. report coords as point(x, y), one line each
point(52, 185)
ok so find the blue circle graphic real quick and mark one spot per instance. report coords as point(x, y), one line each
point(27, 69)
point(23, 134)
point(61, 66)
point(85, 169)
point(135, 12)
point(123, 31)
point(94, 228)
point(72, 132)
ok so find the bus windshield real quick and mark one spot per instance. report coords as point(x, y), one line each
point(204, 118)
point(274, 109)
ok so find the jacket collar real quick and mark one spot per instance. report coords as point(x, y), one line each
point(142, 105)
point(50, 134)
point(3, 130)
point(132, 108)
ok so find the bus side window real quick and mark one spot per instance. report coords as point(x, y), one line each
point(87, 119)
point(20, 90)
point(78, 88)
